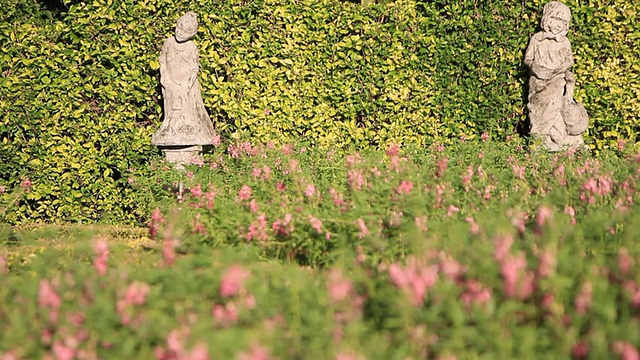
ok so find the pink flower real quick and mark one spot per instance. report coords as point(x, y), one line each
point(624, 261)
point(310, 190)
point(63, 352)
point(518, 282)
point(580, 350)
point(288, 149)
point(3, 266)
point(101, 249)
point(257, 352)
point(421, 223)
point(282, 227)
point(393, 150)
point(364, 232)
point(339, 287)
point(546, 264)
point(502, 245)
point(626, 350)
point(475, 293)
point(257, 229)
point(484, 136)
point(544, 215)
point(196, 192)
point(441, 167)
point(518, 171)
point(280, 186)
point(404, 187)
point(416, 278)
point(245, 192)
point(316, 224)
point(253, 206)
point(216, 140)
point(225, 315)
point(582, 302)
point(136, 294)
point(452, 210)
point(26, 184)
point(338, 201)
point(154, 225)
point(49, 299)
point(233, 280)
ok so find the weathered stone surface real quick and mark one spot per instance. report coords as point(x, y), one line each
point(186, 121)
point(556, 118)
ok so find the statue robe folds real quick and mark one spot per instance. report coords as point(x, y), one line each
point(554, 115)
point(186, 121)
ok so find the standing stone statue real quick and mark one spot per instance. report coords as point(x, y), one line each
point(556, 118)
point(186, 126)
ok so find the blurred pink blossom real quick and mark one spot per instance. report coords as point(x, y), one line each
point(518, 170)
point(364, 232)
point(4, 269)
point(196, 192)
point(280, 186)
point(225, 315)
point(584, 298)
point(518, 281)
point(256, 352)
point(26, 185)
point(421, 223)
point(484, 136)
point(393, 150)
point(62, 351)
point(154, 225)
point(475, 293)
point(580, 350)
point(441, 167)
point(316, 224)
point(404, 187)
point(283, 227)
point(338, 200)
point(245, 192)
point(626, 350)
point(355, 178)
point(216, 140)
point(624, 261)
point(545, 214)
point(546, 264)
point(257, 229)
point(339, 286)
point(233, 280)
point(416, 278)
point(101, 250)
point(452, 210)
point(253, 206)
point(310, 190)
point(49, 299)
point(288, 149)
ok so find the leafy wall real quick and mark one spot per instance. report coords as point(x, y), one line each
point(79, 96)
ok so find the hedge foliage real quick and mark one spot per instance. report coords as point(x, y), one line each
point(79, 96)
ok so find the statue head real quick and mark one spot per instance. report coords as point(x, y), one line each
point(555, 18)
point(186, 27)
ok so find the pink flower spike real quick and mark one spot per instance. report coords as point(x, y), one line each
point(245, 192)
point(232, 283)
point(339, 286)
point(626, 350)
point(101, 249)
point(63, 352)
point(257, 352)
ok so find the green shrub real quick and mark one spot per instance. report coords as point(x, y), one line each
point(79, 95)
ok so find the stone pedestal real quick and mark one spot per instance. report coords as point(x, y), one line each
point(179, 155)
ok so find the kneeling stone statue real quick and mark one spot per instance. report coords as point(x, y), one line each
point(556, 118)
point(186, 125)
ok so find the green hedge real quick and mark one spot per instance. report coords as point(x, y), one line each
point(79, 95)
